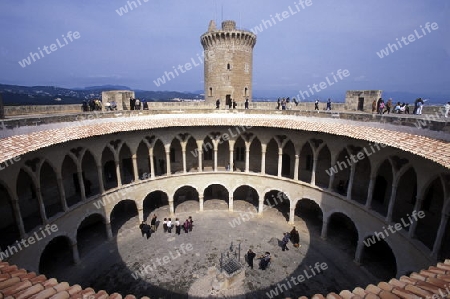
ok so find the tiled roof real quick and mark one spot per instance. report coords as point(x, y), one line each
point(20, 284)
point(427, 147)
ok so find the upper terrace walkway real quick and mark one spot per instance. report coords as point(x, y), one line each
point(421, 135)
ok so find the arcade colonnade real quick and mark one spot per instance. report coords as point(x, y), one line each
point(50, 185)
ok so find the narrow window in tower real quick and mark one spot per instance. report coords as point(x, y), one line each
point(210, 92)
point(172, 155)
point(246, 92)
point(240, 153)
point(246, 68)
point(228, 66)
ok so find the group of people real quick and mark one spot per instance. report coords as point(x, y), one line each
point(284, 103)
point(328, 107)
point(168, 225)
point(136, 104)
point(381, 107)
point(292, 236)
point(231, 104)
point(91, 105)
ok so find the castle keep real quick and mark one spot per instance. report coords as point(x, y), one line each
point(228, 63)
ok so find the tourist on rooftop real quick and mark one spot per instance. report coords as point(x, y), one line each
point(388, 106)
point(316, 105)
point(295, 101)
point(278, 103)
point(283, 104)
point(246, 104)
point(329, 104)
point(381, 107)
point(374, 106)
point(447, 109)
point(397, 108)
point(234, 104)
point(419, 107)
point(406, 108)
point(218, 104)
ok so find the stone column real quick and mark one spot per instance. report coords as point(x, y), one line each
point(109, 233)
point(168, 168)
point(412, 228)
point(391, 202)
point(247, 158)
point(75, 254)
point(313, 173)
point(296, 166)
point(230, 203)
point(100, 178)
point(263, 158)
point(200, 198)
point(440, 235)
point(324, 233)
point(260, 206)
point(141, 214)
point(18, 215)
point(184, 159)
point(152, 163)
point(135, 168)
point(370, 192)
point(231, 159)
point(291, 212)
point(350, 183)
point(280, 161)
point(331, 181)
point(171, 207)
point(215, 157)
point(41, 205)
point(358, 253)
point(118, 174)
point(62, 193)
point(200, 154)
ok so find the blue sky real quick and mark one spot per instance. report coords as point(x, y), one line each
point(138, 47)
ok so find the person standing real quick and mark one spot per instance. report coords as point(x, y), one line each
point(295, 237)
point(186, 226)
point(191, 223)
point(250, 256)
point(153, 222)
point(246, 104)
point(447, 109)
point(177, 226)
point(329, 104)
point(316, 105)
point(165, 225)
point(169, 225)
point(218, 104)
point(285, 241)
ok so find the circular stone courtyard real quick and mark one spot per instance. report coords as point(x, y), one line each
point(184, 266)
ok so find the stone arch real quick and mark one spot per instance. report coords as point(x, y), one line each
point(91, 232)
point(28, 201)
point(310, 212)
point(90, 174)
point(342, 175)
point(239, 153)
point(272, 157)
point(208, 153)
point(154, 200)
point(126, 164)
point(159, 158)
point(186, 198)
point(176, 156)
point(288, 160)
point(361, 180)
point(432, 205)
point(377, 257)
point(323, 164)
point(109, 168)
point(49, 190)
point(255, 155)
point(245, 197)
point(216, 197)
point(143, 161)
point(191, 154)
point(405, 198)
point(56, 256)
point(278, 200)
point(306, 163)
point(124, 213)
point(342, 232)
point(383, 188)
point(8, 226)
point(223, 155)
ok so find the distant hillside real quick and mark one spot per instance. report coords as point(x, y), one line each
point(14, 95)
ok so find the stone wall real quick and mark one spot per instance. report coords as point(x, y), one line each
point(2, 111)
point(121, 97)
point(361, 100)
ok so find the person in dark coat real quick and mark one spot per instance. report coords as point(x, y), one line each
point(295, 237)
point(186, 226)
point(250, 256)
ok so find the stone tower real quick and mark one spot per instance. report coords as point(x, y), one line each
point(228, 63)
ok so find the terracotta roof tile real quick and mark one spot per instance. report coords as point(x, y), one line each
point(346, 294)
point(61, 295)
point(333, 296)
point(29, 291)
point(44, 294)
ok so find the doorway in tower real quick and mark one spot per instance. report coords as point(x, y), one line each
point(361, 104)
point(228, 100)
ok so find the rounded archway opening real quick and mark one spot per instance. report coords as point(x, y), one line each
point(245, 198)
point(379, 259)
point(215, 197)
point(9, 229)
point(155, 200)
point(310, 213)
point(276, 201)
point(124, 216)
point(186, 199)
point(342, 233)
point(56, 257)
point(91, 233)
